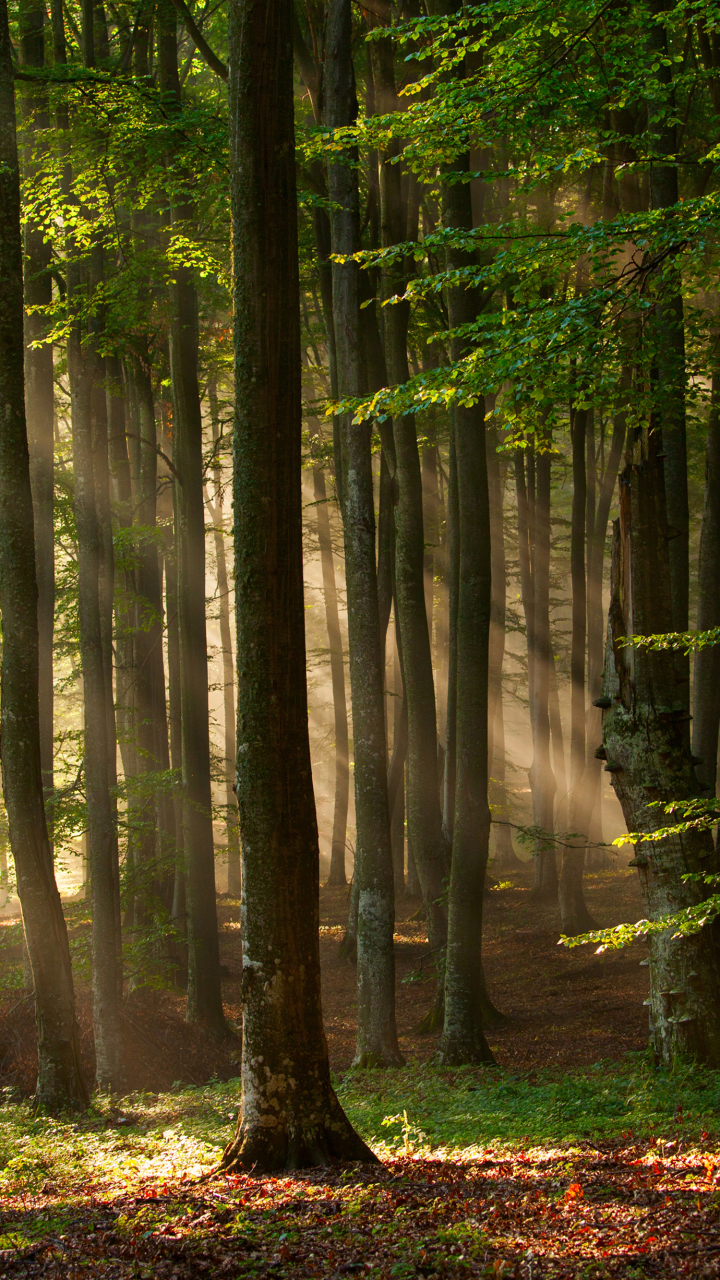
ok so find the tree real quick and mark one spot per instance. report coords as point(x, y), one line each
point(377, 1035)
point(466, 1001)
point(39, 389)
point(60, 1082)
point(204, 994)
point(647, 747)
point(290, 1116)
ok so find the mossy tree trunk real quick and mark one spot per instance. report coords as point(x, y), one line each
point(290, 1116)
point(60, 1083)
point(647, 744)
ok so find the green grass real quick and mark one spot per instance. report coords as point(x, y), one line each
point(151, 1139)
point(460, 1110)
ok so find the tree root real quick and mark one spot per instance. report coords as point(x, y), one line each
point(306, 1145)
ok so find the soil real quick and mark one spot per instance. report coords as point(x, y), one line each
point(561, 1007)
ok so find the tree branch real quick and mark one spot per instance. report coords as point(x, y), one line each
point(215, 64)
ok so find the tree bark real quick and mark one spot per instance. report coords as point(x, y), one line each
point(574, 915)
point(706, 684)
point(647, 745)
point(60, 1083)
point(290, 1116)
point(101, 830)
point(231, 825)
point(337, 877)
point(377, 1034)
point(39, 388)
point(204, 1003)
point(666, 332)
point(505, 858)
point(542, 778)
point(467, 1005)
point(598, 519)
point(424, 820)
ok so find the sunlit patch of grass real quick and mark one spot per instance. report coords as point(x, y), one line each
point(148, 1140)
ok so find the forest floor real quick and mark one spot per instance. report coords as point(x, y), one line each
point(576, 1157)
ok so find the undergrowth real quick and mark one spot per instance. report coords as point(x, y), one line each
point(421, 1110)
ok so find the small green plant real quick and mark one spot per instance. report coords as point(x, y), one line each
point(412, 1136)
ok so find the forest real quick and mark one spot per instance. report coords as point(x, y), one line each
point(360, 638)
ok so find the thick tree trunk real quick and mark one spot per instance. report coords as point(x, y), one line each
point(290, 1116)
point(60, 1083)
point(377, 1035)
point(706, 684)
point(646, 741)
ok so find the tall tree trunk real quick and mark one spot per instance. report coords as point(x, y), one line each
point(505, 858)
point(204, 995)
point(574, 915)
point(178, 911)
point(424, 819)
point(337, 877)
point(598, 518)
point(39, 387)
point(466, 1001)
point(377, 1035)
point(290, 1116)
point(101, 830)
point(542, 778)
point(216, 512)
point(146, 649)
point(123, 649)
point(60, 1083)
point(706, 685)
point(452, 573)
point(666, 334)
point(646, 741)
point(106, 583)
point(396, 779)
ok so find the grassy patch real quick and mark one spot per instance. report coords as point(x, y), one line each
point(152, 1139)
point(456, 1111)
